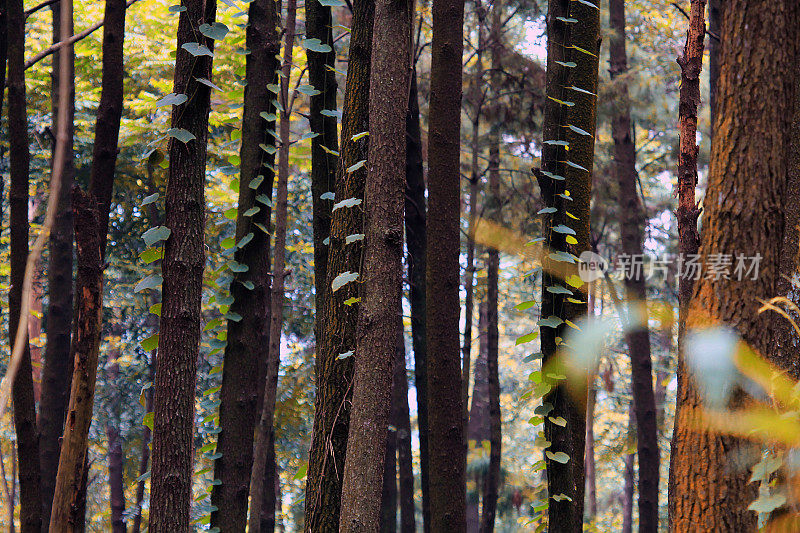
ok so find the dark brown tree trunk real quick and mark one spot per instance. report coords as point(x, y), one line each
point(446, 424)
point(116, 457)
point(715, 9)
point(19, 160)
point(144, 453)
point(629, 476)
point(263, 502)
point(322, 77)
point(244, 372)
point(3, 53)
point(755, 103)
point(65, 515)
point(402, 423)
point(182, 267)
point(415, 215)
point(478, 427)
point(632, 221)
point(491, 483)
point(337, 334)
point(381, 273)
point(57, 367)
point(568, 43)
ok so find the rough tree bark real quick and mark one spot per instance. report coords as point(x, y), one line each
point(337, 334)
point(244, 372)
point(72, 458)
point(388, 515)
point(19, 162)
point(416, 245)
point(567, 43)
point(263, 502)
point(57, 367)
point(446, 424)
point(381, 273)
point(182, 267)
point(632, 221)
point(402, 424)
point(755, 103)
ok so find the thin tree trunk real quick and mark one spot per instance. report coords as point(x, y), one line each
point(492, 481)
point(116, 458)
point(388, 516)
point(446, 439)
point(567, 43)
point(404, 454)
point(478, 430)
point(182, 267)
point(19, 159)
point(337, 334)
point(263, 496)
point(755, 104)
point(322, 76)
point(591, 401)
point(416, 245)
point(715, 10)
point(145, 451)
point(629, 477)
point(244, 372)
point(381, 273)
point(89, 282)
point(632, 220)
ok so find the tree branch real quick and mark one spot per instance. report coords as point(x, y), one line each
point(43, 5)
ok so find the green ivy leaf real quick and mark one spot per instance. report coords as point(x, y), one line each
point(172, 99)
point(157, 234)
point(216, 31)
point(197, 49)
point(533, 335)
point(563, 229)
point(153, 281)
point(343, 279)
point(550, 322)
point(181, 134)
point(307, 90)
point(315, 45)
point(349, 202)
point(150, 343)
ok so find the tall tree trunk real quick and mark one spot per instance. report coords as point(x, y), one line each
point(263, 496)
point(567, 43)
point(402, 423)
point(478, 430)
point(72, 459)
point(715, 10)
point(381, 272)
point(145, 451)
point(632, 221)
point(591, 402)
point(116, 457)
point(446, 438)
point(492, 481)
point(416, 245)
point(755, 103)
point(57, 367)
point(629, 477)
point(182, 267)
point(322, 76)
point(19, 158)
point(244, 372)
point(337, 334)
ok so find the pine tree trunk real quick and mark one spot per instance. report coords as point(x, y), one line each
point(755, 103)
point(402, 423)
point(629, 477)
point(116, 457)
point(145, 451)
point(182, 267)
point(244, 372)
point(632, 221)
point(57, 367)
point(416, 245)
point(446, 424)
point(19, 161)
point(381, 272)
point(478, 430)
point(337, 333)
point(263, 502)
point(388, 518)
point(567, 43)
point(322, 76)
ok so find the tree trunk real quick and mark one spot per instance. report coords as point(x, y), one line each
point(381, 272)
point(446, 438)
point(57, 367)
point(478, 430)
point(388, 517)
point(715, 9)
point(116, 457)
point(244, 372)
point(19, 160)
point(632, 221)
point(755, 103)
point(567, 43)
point(416, 245)
point(145, 451)
point(182, 267)
point(89, 284)
point(402, 423)
point(591, 402)
point(629, 476)
point(322, 76)
point(263, 496)
point(337, 334)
